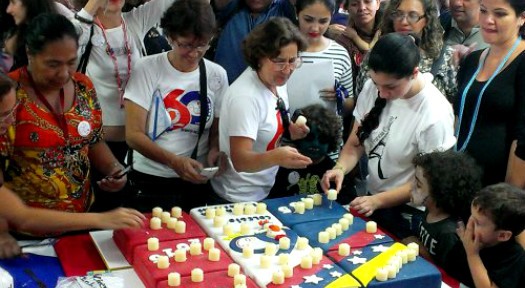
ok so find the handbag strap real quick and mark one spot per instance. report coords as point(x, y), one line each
point(84, 59)
point(203, 97)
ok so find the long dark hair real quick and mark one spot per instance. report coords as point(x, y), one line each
point(385, 57)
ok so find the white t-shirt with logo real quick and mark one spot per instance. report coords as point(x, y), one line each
point(407, 127)
point(180, 92)
point(249, 111)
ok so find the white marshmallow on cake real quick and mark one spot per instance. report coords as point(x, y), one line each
point(284, 243)
point(278, 277)
point(180, 227)
point(404, 255)
point(172, 222)
point(392, 271)
point(220, 211)
point(318, 199)
point(153, 244)
point(238, 209)
point(302, 243)
point(246, 229)
point(308, 203)
point(345, 224)
point(261, 208)
point(411, 255)
point(163, 262)
point(350, 218)
point(317, 255)
point(195, 248)
point(299, 207)
point(284, 258)
point(239, 279)
point(219, 221)
point(165, 216)
point(227, 229)
point(331, 233)
point(208, 243)
point(249, 209)
point(197, 275)
point(338, 229)
point(214, 255)
point(306, 262)
point(156, 212)
point(323, 237)
point(176, 212)
point(270, 249)
point(381, 274)
point(287, 270)
point(247, 251)
point(173, 279)
point(210, 213)
point(233, 269)
point(180, 255)
point(414, 246)
point(344, 249)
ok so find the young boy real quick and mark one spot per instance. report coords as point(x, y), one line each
point(324, 136)
point(445, 183)
point(494, 257)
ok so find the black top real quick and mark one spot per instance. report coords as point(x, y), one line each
point(439, 238)
point(501, 117)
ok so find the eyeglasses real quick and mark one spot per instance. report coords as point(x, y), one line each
point(9, 113)
point(190, 47)
point(412, 17)
point(293, 63)
point(284, 112)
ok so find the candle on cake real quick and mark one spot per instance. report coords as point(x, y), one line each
point(278, 277)
point(176, 212)
point(308, 203)
point(270, 249)
point(180, 255)
point(195, 248)
point(233, 269)
point(172, 222)
point(261, 208)
point(284, 243)
point(338, 229)
point(238, 209)
point(208, 243)
point(153, 244)
point(371, 227)
point(218, 221)
point(227, 229)
point(331, 233)
point(411, 255)
point(302, 243)
point(381, 274)
point(163, 262)
point(299, 207)
point(344, 249)
point(155, 223)
point(345, 224)
point(350, 218)
point(210, 213)
point(306, 262)
point(414, 246)
point(317, 255)
point(265, 261)
point(220, 211)
point(165, 216)
point(239, 279)
point(247, 251)
point(180, 227)
point(318, 199)
point(323, 237)
point(197, 275)
point(245, 229)
point(156, 212)
point(249, 209)
point(174, 279)
point(214, 254)
point(284, 258)
point(287, 270)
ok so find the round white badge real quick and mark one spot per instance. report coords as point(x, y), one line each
point(97, 40)
point(84, 128)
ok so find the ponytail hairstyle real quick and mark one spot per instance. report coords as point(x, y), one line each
point(385, 58)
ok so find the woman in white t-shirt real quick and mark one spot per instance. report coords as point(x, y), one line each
point(169, 155)
point(399, 114)
point(256, 117)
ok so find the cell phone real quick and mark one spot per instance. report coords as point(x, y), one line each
point(209, 172)
point(120, 174)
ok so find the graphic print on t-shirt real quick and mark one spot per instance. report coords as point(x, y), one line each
point(276, 140)
point(379, 142)
point(184, 109)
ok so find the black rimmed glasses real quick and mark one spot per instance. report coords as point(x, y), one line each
point(281, 64)
point(191, 47)
point(412, 17)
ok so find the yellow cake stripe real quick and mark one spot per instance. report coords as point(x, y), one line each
point(367, 272)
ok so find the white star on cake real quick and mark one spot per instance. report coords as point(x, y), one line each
point(284, 210)
point(379, 236)
point(312, 279)
point(379, 248)
point(328, 266)
point(357, 260)
point(336, 274)
point(295, 286)
point(357, 252)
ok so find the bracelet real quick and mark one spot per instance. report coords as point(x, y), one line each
point(82, 19)
point(338, 166)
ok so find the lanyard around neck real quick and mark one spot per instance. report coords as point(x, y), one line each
point(59, 116)
point(480, 95)
point(111, 52)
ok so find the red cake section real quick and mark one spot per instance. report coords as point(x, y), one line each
point(212, 279)
point(127, 239)
point(146, 267)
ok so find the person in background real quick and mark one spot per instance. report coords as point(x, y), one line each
point(57, 134)
point(419, 17)
point(494, 258)
point(445, 183)
point(16, 215)
point(239, 18)
point(167, 167)
point(314, 17)
point(111, 42)
point(399, 115)
point(251, 128)
point(324, 136)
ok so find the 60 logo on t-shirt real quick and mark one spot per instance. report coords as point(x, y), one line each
point(183, 108)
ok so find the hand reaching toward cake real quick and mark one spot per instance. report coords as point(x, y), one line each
point(121, 218)
point(8, 245)
point(365, 205)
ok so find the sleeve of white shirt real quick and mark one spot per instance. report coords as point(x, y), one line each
point(365, 101)
point(243, 119)
point(147, 15)
point(141, 84)
point(439, 136)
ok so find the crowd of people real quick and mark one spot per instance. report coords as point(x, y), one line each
point(192, 98)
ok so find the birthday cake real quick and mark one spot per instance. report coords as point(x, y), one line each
point(251, 244)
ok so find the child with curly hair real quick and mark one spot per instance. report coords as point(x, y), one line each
point(445, 183)
point(324, 136)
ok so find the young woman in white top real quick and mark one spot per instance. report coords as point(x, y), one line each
point(399, 114)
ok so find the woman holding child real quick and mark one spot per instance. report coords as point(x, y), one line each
point(399, 114)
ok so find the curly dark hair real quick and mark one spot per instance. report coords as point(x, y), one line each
point(432, 34)
point(267, 39)
point(504, 204)
point(453, 179)
point(327, 122)
point(189, 17)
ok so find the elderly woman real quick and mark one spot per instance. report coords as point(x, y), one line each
point(251, 128)
point(167, 165)
point(56, 138)
point(419, 18)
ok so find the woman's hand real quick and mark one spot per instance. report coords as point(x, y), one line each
point(219, 159)
point(298, 131)
point(460, 52)
point(334, 175)
point(335, 30)
point(121, 218)
point(290, 158)
point(188, 169)
point(115, 181)
point(328, 94)
point(8, 246)
point(93, 6)
point(350, 33)
point(365, 205)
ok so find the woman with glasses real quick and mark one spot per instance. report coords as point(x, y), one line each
point(419, 17)
point(56, 138)
point(399, 114)
point(168, 163)
point(256, 117)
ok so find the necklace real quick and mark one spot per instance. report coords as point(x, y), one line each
point(111, 52)
point(480, 95)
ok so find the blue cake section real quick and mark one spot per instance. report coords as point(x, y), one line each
point(419, 273)
point(278, 208)
point(311, 231)
point(30, 270)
